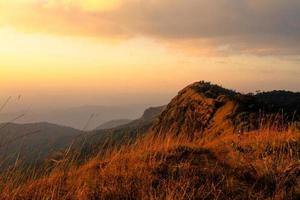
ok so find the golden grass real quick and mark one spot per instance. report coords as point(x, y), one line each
point(264, 164)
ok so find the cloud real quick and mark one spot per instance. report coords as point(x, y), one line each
point(246, 26)
point(59, 19)
point(269, 27)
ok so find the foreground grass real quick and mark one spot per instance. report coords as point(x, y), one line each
point(258, 165)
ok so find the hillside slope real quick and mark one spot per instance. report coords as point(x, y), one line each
point(258, 165)
point(206, 108)
point(95, 141)
point(33, 142)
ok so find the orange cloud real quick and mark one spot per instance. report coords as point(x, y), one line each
point(59, 20)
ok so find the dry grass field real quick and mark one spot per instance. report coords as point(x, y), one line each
point(263, 164)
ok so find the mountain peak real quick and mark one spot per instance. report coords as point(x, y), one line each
point(203, 107)
point(152, 112)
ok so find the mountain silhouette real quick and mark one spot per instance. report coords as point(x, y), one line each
point(113, 124)
point(31, 143)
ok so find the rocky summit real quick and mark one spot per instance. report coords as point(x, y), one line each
point(203, 108)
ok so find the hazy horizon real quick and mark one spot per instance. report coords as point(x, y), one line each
point(21, 102)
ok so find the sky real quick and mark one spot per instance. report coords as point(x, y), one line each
point(121, 52)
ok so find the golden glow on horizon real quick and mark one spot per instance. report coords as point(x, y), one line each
point(39, 60)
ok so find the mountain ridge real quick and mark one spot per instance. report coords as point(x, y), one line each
point(113, 124)
point(33, 142)
point(203, 107)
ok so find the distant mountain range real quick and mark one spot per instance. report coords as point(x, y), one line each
point(34, 142)
point(82, 118)
point(113, 124)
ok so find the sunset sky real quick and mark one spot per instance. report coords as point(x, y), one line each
point(103, 52)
